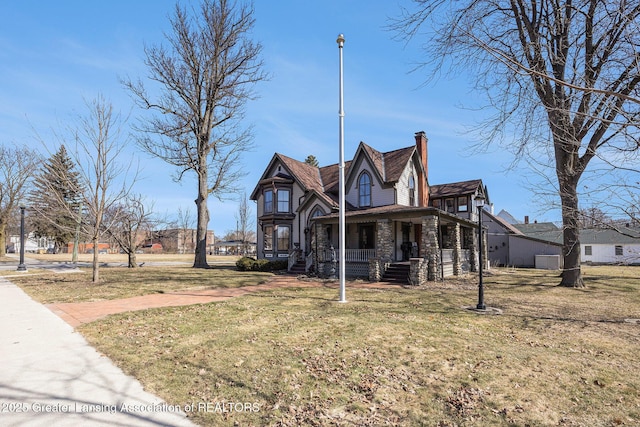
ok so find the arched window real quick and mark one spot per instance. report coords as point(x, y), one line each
point(412, 191)
point(364, 190)
point(317, 212)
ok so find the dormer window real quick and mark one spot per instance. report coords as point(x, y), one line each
point(412, 191)
point(364, 190)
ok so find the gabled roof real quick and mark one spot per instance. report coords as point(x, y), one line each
point(376, 157)
point(387, 166)
point(589, 236)
point(323, 181)
point(512, 229)
point(508, 217)
point(455, 188)
point(541, 230)
point(594, 236)
point(395, 162)
point(307, 175)
point(536, 227)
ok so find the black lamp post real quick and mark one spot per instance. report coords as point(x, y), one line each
point(21, 266)
point(480, 204)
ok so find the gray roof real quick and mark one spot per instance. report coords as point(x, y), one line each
point(621, 236)
point(590, 236)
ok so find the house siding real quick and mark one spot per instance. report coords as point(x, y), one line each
point(380, 196)
point(606, 254)
point(522, 252)
point(402, 188)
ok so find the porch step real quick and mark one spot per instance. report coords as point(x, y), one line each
point(397, 273)
point(297, 268)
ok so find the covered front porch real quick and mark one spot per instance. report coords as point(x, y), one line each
point(433, 243)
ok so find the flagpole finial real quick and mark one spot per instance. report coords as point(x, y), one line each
point(340, 40)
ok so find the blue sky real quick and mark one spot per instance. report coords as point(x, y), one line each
point(54, 55)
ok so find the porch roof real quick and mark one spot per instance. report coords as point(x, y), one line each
point(394, 212)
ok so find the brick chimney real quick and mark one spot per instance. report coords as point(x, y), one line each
point(423, 182)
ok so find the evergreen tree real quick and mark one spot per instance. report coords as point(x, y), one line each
point(55, 200)
point(311, 160)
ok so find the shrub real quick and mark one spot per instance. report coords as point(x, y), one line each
point(245, 263)
point(251, 264)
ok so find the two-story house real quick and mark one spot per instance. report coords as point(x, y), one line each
point(393, 218)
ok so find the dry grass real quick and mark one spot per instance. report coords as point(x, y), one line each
point(556, 356)
point(116, 282)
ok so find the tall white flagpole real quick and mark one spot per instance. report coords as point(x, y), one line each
point(341, 226)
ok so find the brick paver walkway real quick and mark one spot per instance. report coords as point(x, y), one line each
point(76, 314)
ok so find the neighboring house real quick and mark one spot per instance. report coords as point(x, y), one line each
point(180, 240)
point(389, 217)
point(32, 244)
point(597, 246)
point(610, 246)
point(512, 245)
point(234, 247)
point(506, 216)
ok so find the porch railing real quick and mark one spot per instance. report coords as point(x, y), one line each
point(350, 255)
point(293, 258)
point(308, 261)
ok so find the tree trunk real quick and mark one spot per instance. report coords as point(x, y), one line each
point(95, 265)
point(132, 259)
point(3, 239)
point(572, 273)
point(200, 260)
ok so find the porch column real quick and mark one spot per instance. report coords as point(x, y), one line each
point(430, 248)
point(321, 245)
point(384, 239)
point(454, 232)
point(384, 250)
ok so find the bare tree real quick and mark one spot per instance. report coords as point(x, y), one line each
point(17, 165)
point(99, 144)
point(562, 76)
point(245, 223)
point(186, 239)
point(205, 76)
point(130, 221)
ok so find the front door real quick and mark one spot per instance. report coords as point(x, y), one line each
point(366, 237)
point(406, 241)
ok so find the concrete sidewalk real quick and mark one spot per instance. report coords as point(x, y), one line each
point(50, 376)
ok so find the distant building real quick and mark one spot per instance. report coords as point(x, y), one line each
point(608, 246)
point(517, 245)
point(181, 240)
point(619, 245)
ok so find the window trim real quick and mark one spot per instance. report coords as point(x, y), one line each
point(366, 186)
point(280, 239)
point(267, 238)
point(453, 205)
point(463, 207)
point(619, 250)
point(588, 250)
point(288, 201)
point(412, 190)
point(268, 201)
